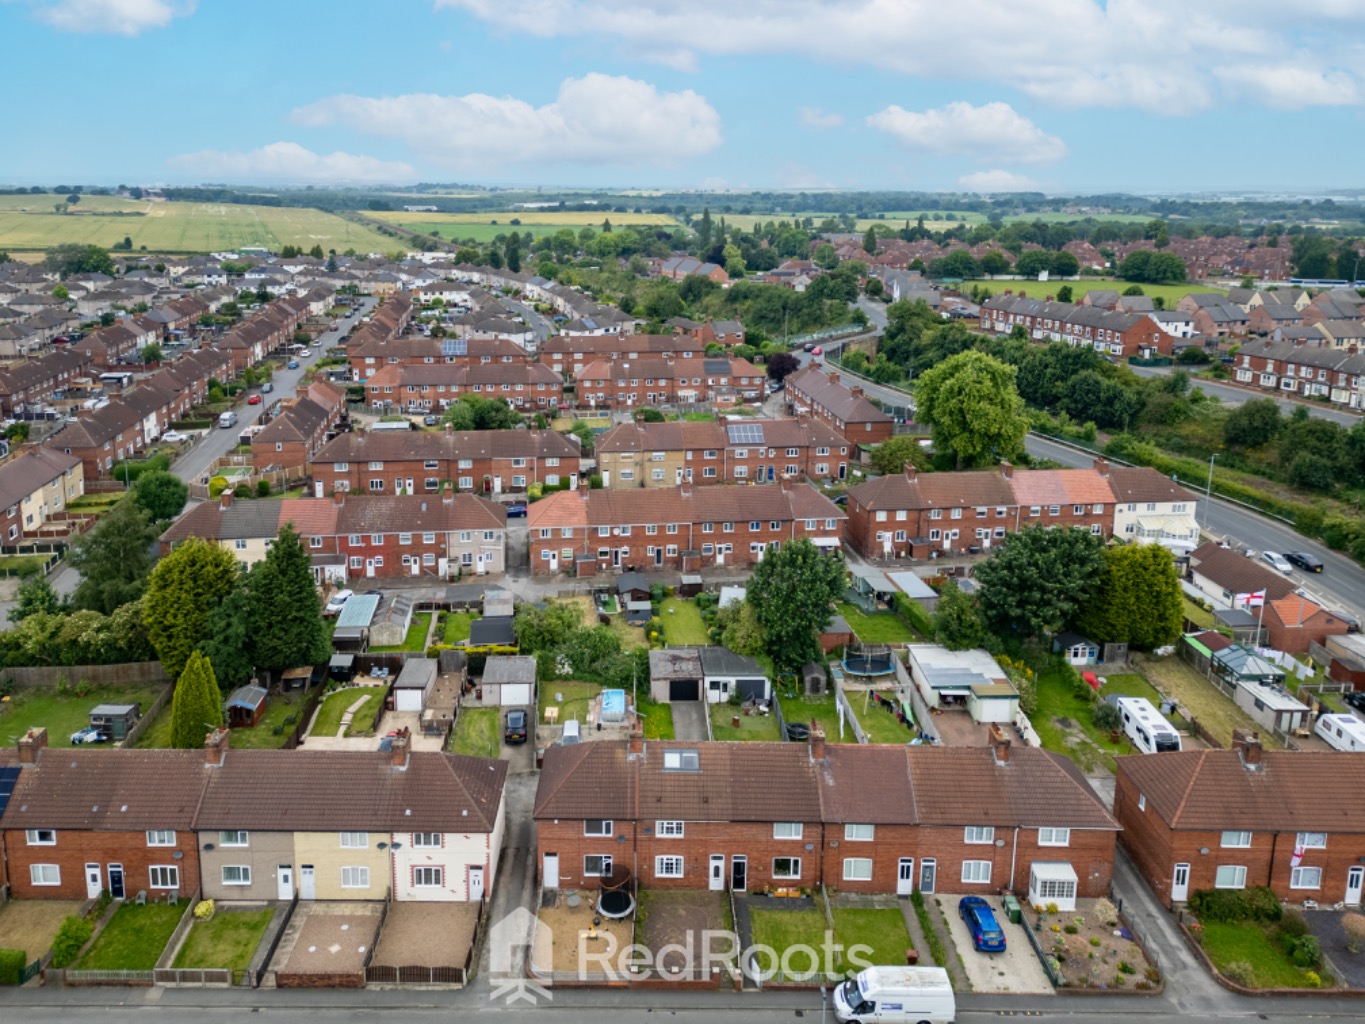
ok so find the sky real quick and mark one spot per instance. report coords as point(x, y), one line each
point(1063, 96)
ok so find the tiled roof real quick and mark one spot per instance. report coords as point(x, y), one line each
point(33, 469)
point(1064, 486)
point(411, 445)
point(680, 505)
point(108, 790)
point(1142, 484)
point(1237, 573)
point(838, 400)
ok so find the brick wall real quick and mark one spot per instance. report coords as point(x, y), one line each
point(75, 849)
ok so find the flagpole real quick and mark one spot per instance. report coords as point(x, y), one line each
point(1261, 619)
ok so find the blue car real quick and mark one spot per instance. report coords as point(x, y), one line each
point(987, 936)
point(292, 365)
point(516, 508)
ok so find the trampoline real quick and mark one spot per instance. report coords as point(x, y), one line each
point(870, 661)
point(615, 904)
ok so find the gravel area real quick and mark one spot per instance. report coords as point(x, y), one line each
point(1349, 967)
point(426, 935)
point(567, 930)
point(679, 917)
point(31, 925)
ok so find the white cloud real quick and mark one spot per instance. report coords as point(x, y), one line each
point(997, 181)
point(118, 17)
point(1290, 87)
point(990, 132)
point(817, 118)
point(290, 162)
point(596, 119)
point(1159, 55)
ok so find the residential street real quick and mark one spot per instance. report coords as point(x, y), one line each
point(1233, 395)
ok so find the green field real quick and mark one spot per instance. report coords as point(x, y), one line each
point(484, 227)
point(1172, 293)
point(28, 222)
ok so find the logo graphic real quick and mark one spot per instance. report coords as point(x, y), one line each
point(510, 942)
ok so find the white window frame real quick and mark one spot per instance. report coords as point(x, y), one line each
point(604, 826)
point(857, 869)
point(859, 833)
point(788, 830)
point(669, 865)
point(793, 872)
point(45, 874)
point(1239, 876)
point(355, 876)
point(243, 874)
point(426, 840)
point(670, 829)
point(976, 872)
point(355, 840)
point(428, 876)
point(1235, 839)
point(1311, 840)
point(604, 867)
point(160, 837)
point(1054, 837)
point(1305, 878)
point(40, 836)
point(978, 835)
point(168, 881)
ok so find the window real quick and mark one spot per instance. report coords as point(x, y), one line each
point(239, 544)
point(355, 877)
point(164, 876)
point(1230, 877)
point(45, 874)
point(978, 834)
point(1142, 802)
point(428, 840)
point(681, 761)
point(668, 867)
point(859, 833)
point(1312, 840)
point(597, 865)
point(428, 877)
point(857, 869)
point(668, 829)
point(405, 538)
point(978, 871)
point(236, 874)
point(41, 837)
point(1054, 837)
point(232, 838)
point(355, 840)
point(160, 837)
point(787, 829)
point(1235, 840)
point(786, 867)
point(596, 827)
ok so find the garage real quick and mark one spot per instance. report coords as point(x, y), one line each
point(509, 680)
point(514, 695)
point(752, 689)
point(414, 684)
point(684, 689)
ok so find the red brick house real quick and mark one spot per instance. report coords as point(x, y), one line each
point(1093, 323)
point(300, 430)
point(675, 527)
point(28, 385)
point(567, 354)
point(1232, 819)
point(819, 394)
point(658, 380)
point(1296, 623)
point(421, 387)
point(369, 357)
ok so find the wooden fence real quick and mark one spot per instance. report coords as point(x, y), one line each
point(148, 717)
point(122, 674)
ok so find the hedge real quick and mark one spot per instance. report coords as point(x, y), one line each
point(71, 937)
point(1257, 903)
point(913, 612)
point(12, 964)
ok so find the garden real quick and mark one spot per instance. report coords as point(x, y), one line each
point(683, 623)
point(456, 627)
point(415, 640)
point(227, 939)
point(733, 722)
point(1089, 947)
point(134, 938)
point(333, 708)
point(272, 732)
point(1255, 942)
point(476, 732)
point(877, 627)
point(65, 708)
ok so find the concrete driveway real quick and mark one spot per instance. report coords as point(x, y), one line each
point(1015, 970)
point(689, 720)
point(520, 757)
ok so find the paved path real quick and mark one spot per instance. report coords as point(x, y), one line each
point(689, 720)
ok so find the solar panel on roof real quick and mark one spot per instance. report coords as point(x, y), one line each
point(9, 778)
point(454, 347)
point(716, 365)
point(745, 433)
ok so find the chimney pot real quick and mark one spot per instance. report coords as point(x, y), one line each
point(30, 743)
point(401, 750)
point(225, 499)
point(1000, 745)
point(1007, 470)
point(1248, 746)
point(817, 741)
point(833, 376)
point(216, 746)
point(1102, 467)
point(339, 496)
point(637, 740)
point(856, 391)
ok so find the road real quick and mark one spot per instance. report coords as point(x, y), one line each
point(1341, 584)
point(542, 327)
point(1232, 395)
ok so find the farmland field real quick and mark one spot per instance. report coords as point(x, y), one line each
point(484, 226)
point(1172, 293)
point(934, 220)
point(28, 222)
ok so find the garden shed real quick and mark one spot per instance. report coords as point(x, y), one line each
point(246, 706)
point(115, 720)
point(414, 684)
point(814, 681)
point(632, 586)
point(724, 672)
point(689, 586)
point(391, 621)
point(1076, 649)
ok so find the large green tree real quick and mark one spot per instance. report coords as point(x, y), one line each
point(1137, 599)
point(35, 595)
point(792, 590)
point(1253, 423)
point(971, 402)
point(184, 589)
point(228, 642)
point(474, 412)
point(285, 615)
point(892, 454)
point(957, 621)
point(1039, 580)
point(162, 494)
point(196, 706)
point(114, 558)
point(73, 258)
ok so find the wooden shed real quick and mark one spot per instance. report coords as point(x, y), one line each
point(246, 706)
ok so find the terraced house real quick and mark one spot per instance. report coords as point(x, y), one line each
point(368, 358)
point(568, 354)
point(37, 487)
point(819, 394)
point(659, 380)
point(1313, 370)
point(424, 388)
point(679, 527)
point(1113, 332)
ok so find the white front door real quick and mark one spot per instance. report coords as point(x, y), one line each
point(416, 567)
point(1355, 876)
point(554, 561)
point(317, 489)
point(549, 872)
point(369, 568)
point(497, 485)
point(475, 884)
point(284, 875)
point(93, 882)
point(905, 876)
point(1180, 883)
point(678, 475)
point(308, 889)
point(717, 879)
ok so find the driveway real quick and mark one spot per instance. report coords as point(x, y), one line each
point(689, 720)
point(1015, 970)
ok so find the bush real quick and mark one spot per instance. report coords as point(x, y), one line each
point(1106, 716)
point(1292, 925)
point(12, 964)
point(217, 486)
point(1263, 904)
point(262, 488)
point(1354, 927)
point(1231, 905)
point(1240, 972)
point(71, 937)
point(1304, 950)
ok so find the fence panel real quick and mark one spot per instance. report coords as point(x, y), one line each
point(193, 977)
point(1054, 975)
point(81, 978)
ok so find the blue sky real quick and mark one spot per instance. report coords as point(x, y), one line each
point(1061, 95)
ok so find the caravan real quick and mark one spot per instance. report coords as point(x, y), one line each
point(1343, 732)
point(1143, 724)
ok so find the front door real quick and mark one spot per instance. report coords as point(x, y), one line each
point(116, 881)
point(739, 873)
point(905, 876)
point(475, 884)
point(1180, 883)
point(549, 872)
point(678, 475)
point(616, 557)
point(369, 568)
point(658, 556)
point(93, 885)
point(717, 880)
point(284, 875)
point(317, 489)
point(554, 561)
point(497, 485)
point(1354, 879)
point(927, 870)
point(308, 889)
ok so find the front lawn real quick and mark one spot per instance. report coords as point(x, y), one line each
point(751, 727)
point(879, 724)
point(227, 940)
point(457, 626)
point(64, 713)
point(477, 732)
point(682, 623)
point(877, 628)
point(335, 705)
point(22, 565)
point(1244, 942)
point(134, 938)
point(415, 641)
point(658, 721)
point(882, 929)
point(783, 929)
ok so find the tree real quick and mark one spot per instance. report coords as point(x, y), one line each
point(781, 365)
point(792, 590)
point(316, 252)
point(474, 412)
point(114, 558)
point(34, 596)
point(227, 643)
point(740, 629)
point(825, 256)
point(332, 263)
point(1064, 293)
point(1039, 580)
point(183, 590)
point(543, 629)
point(196, 705)
point(1137, 599)
point(285, 613)
point(1253, 424)
point(995, 262)
point(161, 494)
point(61, 292)
point(892, 454)
point(870, 242)
point(957, 622)
point(971, 402)
point(152, 353)
point(74, 258)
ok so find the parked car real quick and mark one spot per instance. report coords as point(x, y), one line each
point(254, 400)
point(430, 421)
point(987, 935)
point(1355, 700)
point(1304, 561)
point(293, 364)
point(515, 509)
point(87, 735)
point(267, 387)
point(1276, 561)
point(514, 729)
point(338, 602)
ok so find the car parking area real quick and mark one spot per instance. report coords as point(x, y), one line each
point(1015, 970)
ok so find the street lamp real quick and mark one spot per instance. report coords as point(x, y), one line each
point(1208, 489)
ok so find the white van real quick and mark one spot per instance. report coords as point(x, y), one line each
point(572, 733)
point(227, 420)
point(896, 994)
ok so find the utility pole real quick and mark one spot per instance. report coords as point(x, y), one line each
point(1208, 490)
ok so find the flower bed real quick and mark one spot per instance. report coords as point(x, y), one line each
point(1089, 947)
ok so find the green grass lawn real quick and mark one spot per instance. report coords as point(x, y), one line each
point(279, 711)
point(883, 930)
point(457, 626)
point(1244, 942)
point(751, 727)
point(228, 940)
point(682, 622)
point(782, 929)
point(21, 565)
point(1079, 740)
point(415, 640)
point(803, 709)
point(577, 699)
point(477, 732)
point(1172, 293)
point(328, 720)
point(877, 628)
point(95, 502)
point(1196, 614)
point(63, 714)
point(658, 721)
point(134, 939)
point(880, 725)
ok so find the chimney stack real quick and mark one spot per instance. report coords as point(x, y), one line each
point(636, 746)
point(1007, 470)
point(1102, 467)
point(1000, 745)
point(225, 499)
point(833, 376)
point(856, 391)
point(911, 472)
point(401, 749)
point(30, 743)
point(1248, 746)
point(450, 428)
point(216, 746)
point(817, 741)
